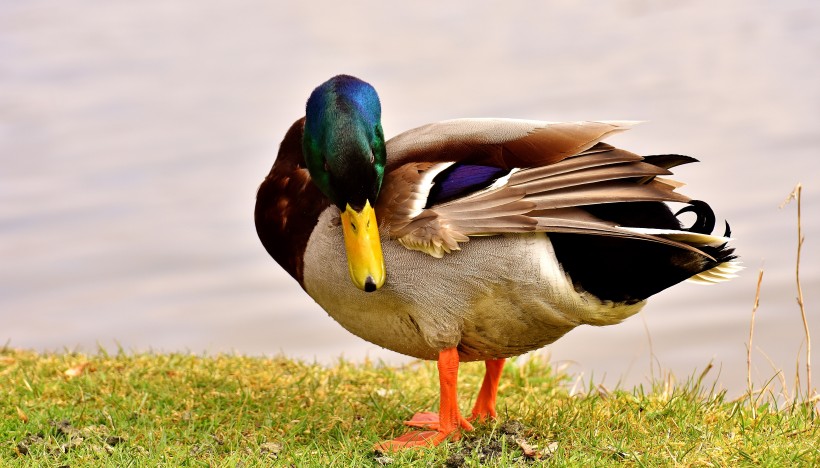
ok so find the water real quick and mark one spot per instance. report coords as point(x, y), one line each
point(133, 137)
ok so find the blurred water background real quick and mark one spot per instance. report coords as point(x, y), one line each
point(133, 136)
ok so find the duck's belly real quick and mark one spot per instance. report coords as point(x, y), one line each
point(499, 296)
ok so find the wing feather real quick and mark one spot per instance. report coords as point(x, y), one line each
point(504, 143)
point(557, 169)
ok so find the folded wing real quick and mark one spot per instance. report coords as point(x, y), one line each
point(452, 180)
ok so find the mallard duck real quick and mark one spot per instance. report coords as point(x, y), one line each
point(474, 239)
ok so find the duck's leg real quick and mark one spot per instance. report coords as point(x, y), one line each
point(449, 419)
point(485, 403)
point(484, 408)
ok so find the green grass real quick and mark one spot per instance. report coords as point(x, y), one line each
point(185, 410)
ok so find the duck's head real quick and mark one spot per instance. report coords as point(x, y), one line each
point(344, 150)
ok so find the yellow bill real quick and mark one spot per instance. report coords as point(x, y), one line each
point(364, 248)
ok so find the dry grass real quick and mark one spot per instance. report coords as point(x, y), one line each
point(811, 396)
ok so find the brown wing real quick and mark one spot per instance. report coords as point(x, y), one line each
point(504, 143)
point(288, 205)
point(558, 168)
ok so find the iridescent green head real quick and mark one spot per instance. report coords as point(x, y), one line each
point(343, 141)
point(344, 150)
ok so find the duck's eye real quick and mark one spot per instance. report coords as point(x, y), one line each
point(327, 168)
point(372, 158)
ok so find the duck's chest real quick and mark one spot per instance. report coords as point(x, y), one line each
point(499, 296)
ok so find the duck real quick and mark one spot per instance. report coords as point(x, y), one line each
point(475, 239)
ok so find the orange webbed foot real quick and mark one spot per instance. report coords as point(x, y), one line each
point(414, 439)
point(424, 420)
point(447, 423)
point(430, 420)
point(430, 438)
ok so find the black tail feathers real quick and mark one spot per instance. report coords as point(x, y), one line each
point(705, 222)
